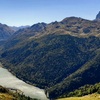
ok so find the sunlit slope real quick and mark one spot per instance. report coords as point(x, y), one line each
point(87, 97)
point(5, 96)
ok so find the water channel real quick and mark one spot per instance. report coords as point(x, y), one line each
point(10, 81)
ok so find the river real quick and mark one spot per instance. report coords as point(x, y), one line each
point(10, 81)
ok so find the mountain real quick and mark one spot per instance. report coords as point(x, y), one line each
point(5, 32)
point(59, 62)
point(72, 26)
point(34, 29)
point(59, 57)
point(22, 35)
point(87, 74)
point(75, 26)
point(17, 28)
point(98, 16)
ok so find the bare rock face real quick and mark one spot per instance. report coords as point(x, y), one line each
point(98, 16)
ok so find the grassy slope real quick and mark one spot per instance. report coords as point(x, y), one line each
point(87, 97)
point(6, 96)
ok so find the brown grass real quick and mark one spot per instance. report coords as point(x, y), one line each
point(87, 97)
point(6, 97)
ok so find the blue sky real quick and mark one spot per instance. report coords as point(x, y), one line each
point(29, 12)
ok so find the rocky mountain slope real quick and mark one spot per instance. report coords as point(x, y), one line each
point(71, 25)
point(98, 16)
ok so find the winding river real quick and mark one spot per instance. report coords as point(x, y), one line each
point(10, 81)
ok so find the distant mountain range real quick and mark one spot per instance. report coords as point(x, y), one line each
point(7, 31)
point(59, 57)
point(72, 25)
point(17, 28)
point(76, 28)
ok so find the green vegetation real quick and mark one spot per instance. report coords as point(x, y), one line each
point(5, 94)
point(54, 59)
point(46, 56)
point(87, 74)
point(87, 97)
point(84, 90)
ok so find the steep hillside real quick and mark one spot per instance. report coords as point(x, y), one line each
point(60, 56)
point(22, 35)
point(49, 59)
point(5, 32)
point(87, 74)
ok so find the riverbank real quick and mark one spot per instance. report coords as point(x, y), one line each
point(10, 81)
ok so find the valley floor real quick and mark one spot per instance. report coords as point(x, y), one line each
point(87, 97)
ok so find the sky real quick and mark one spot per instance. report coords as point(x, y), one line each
point(29, 12)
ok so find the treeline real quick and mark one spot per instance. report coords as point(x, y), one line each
point(85, 90)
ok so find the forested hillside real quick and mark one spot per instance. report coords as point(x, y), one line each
point(59, 57)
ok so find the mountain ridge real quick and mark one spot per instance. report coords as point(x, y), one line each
point(5, 32)
point(98, 16)
point(74, 26)
point(16, 28)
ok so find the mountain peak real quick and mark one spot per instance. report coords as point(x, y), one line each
point(72, 20)
point(5, 32)
point(98, 16)
point(38, 27)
